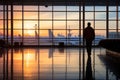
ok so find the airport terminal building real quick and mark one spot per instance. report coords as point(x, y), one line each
point(43, 40)
point(50, 22)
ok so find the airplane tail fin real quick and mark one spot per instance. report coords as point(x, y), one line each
point(50, 34)
point(36, 34)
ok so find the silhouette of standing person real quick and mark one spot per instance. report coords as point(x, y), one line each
point(89, 35)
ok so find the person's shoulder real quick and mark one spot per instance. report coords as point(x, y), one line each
point(87, 28)
point(91, 28)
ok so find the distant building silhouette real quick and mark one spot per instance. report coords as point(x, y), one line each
point(113, 35)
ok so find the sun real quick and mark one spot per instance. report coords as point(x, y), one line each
point(30, 32)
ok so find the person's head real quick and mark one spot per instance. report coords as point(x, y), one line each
point(89, 24)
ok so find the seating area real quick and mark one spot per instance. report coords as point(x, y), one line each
point(111, 44)
point(112, 47)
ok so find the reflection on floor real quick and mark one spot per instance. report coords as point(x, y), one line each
point(55, 64)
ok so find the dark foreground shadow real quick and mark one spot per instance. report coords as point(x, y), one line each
point(89, 69)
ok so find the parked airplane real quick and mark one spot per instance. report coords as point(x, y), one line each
point(52, 40)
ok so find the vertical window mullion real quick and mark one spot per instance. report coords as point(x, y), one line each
point(83, 21)
point(52, 24)
point(22, 24)
point(38, 24)
point(12, 25)
point(7, 22)
point(67, 38)
point(79, 40)
point(83, 25)
point(94, 44)
point(117, 23)
point(79, 24)
point(4, 22)
point(107, 19)
point(94, 20)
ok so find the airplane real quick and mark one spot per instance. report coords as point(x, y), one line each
point(51, 39)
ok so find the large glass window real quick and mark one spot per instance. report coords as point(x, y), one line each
point(56, 25)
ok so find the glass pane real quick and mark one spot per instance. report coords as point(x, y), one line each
point(74, 33)
point(112, 15)
point(1, 7)
point(59, 24)
point(9, 7)
point(81, 8)
point(88, 8)
point(100, 15)
point(72, 8)
point(59, 8)
point(30, 15)
point(32, 8)
point(59, 15)
point(100, 8)
point(100, 33)
point(17, 24)
point(112, 8)
point(44, 8)
point(73, 37)
point(100, 24)
point(119, 15)
point(29, 33)
point(1, 24)
point(1, 15)
point(17, 33)
point(88, 15)
point(44, 33)
point(9, 33)
point(59, 33)
point(1, 33)
point(119, 8)
point(112, 24)
point(45, 24)
point(72, 24)
point(45, 41)
point(119, 24)
point(30, 24)
point(9, 24)
point(17, 15)
point(9, 15)
point(72, 15)
point(16, 7)
point(30, 41)
point(45, 15)
point(119, 33)
point(112, 34)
